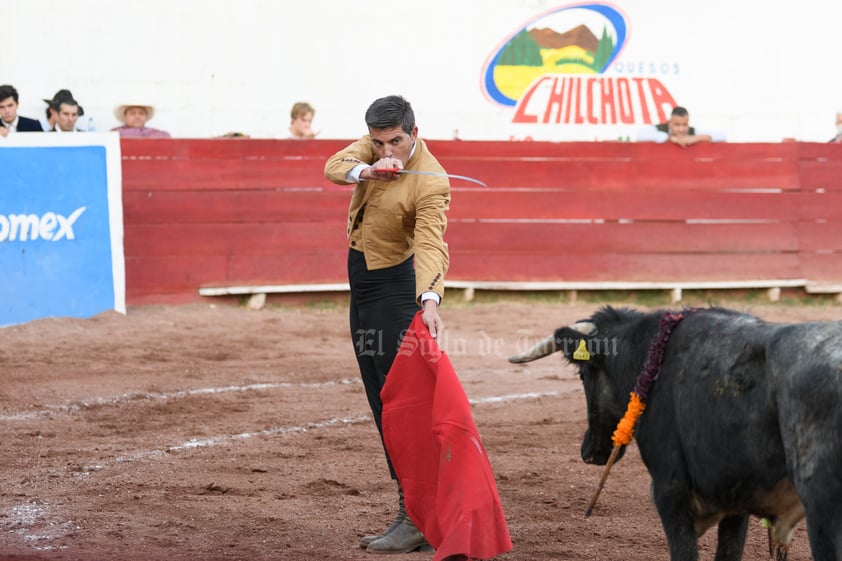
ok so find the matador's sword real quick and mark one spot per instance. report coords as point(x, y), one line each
point(419, 172)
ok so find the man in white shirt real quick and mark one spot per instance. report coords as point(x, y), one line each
point(838, 137)
point(301, 121)
point(678, 131)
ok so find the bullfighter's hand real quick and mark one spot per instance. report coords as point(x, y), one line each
point(383, 163)
point(431, 318)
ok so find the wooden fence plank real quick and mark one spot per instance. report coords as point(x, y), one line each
point(615, 205)
point(240, 205)
point(820, 236)
point(223, 174)
point(730, 241)
point(605, 267)
point(825, 267)
point(186, 273)
point(820, 206)
point(265, 239)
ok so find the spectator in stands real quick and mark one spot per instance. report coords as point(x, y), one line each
point(10, 121)
point(838, 137)
point(678, 131)
point(51, 113)
point(67, 113)
point(134, 117)
point(397, 260)
point(301, 121)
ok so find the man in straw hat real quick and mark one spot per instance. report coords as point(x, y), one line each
point(134, 117)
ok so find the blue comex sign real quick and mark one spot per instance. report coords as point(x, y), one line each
point(61, 226)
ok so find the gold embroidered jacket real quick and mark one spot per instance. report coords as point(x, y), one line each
point(390, 220)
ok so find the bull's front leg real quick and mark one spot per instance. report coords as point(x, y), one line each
point(672, 500)
point(731, 538)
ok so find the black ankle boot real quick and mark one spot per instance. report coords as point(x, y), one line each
point(403, 539)
point(399, 518)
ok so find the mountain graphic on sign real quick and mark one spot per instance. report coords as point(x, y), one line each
point(580, 36)
point(579, 39)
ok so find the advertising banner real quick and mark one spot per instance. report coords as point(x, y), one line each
point(61, 226)
point(519, 70)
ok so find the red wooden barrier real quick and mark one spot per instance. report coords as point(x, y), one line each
point(222, 212)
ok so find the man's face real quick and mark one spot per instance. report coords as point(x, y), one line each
point(8, 109)
point(393, 143)
point(135, 117)
point(679, 126)
point(67, 115)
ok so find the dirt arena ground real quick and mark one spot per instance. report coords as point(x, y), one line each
point(212, 432)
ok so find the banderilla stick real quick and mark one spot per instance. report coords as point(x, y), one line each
point(611, 459)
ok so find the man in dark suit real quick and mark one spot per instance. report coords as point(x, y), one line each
point(51, 114)
point(10, 121)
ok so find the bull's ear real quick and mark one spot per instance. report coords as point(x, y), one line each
point(573, 344)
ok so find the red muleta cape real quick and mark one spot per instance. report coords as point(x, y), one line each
point(437, 453)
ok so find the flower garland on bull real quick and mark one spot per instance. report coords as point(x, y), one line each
point(624, 432)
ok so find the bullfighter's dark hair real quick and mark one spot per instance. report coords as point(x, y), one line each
point(390, 111)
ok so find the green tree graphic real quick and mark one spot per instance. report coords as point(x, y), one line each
point(603, 50)
point(522, 50)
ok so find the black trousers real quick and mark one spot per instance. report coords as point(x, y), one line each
point(382, 307)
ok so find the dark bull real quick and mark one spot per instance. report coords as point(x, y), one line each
point(745, 418)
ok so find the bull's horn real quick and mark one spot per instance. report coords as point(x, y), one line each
point(584, 327)
point(539, 350)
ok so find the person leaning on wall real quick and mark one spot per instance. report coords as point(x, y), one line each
point(301, 121)
point(677, 130)
point(838, 138)
point(134, 117)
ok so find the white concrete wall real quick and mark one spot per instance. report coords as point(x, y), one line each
point(754, 70)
